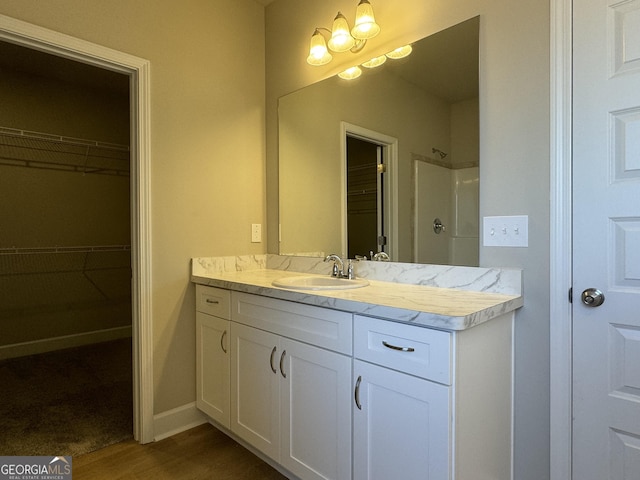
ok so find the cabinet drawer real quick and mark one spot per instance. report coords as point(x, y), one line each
point(419, 351)
point(214, 301)
point(330, 329)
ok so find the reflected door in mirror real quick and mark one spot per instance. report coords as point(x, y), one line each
point(365, 198)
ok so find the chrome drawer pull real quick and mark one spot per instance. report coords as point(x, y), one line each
point(400, 349)
point(356, 393)
point(273, 352)
point(284, 375)
point(212, 302)
point(224, 334)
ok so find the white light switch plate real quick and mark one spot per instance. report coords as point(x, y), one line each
point(511, 231)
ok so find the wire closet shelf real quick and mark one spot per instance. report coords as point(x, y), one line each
point(22, 148)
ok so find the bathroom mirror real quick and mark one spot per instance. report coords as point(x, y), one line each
point(421, 114)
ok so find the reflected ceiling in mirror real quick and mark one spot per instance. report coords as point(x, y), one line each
point(428, 103)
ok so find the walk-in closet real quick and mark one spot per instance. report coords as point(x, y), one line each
point(65, 255)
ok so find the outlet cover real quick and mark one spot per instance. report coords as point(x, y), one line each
point(256, 232)
point(509, 231)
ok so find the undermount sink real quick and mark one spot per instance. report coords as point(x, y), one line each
point(314, 282)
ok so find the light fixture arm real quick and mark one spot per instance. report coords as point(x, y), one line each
point(358, 46)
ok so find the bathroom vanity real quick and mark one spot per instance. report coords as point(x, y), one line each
point(408, 378)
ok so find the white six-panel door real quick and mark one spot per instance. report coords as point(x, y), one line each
point(606, 240)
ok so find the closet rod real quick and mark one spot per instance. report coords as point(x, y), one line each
point(62, 139)
point(80, 249)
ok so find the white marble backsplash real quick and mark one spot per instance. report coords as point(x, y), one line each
point(506, 281)
point(217, 265)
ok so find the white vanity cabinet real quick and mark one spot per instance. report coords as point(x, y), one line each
point(212, 352)
point(401, 421)
point(331, 394)
point(431, 404)
point(291, 384)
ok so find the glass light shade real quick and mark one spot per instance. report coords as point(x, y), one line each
point(400, 52)
point(375, 62)
point(341, 40)
point(350, 73)
point(365, 25)
point(318, 53)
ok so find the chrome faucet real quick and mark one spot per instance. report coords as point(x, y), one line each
point(338, 267)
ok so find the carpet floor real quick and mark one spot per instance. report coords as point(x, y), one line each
point(67, 402)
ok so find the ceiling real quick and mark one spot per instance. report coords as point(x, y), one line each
point(46, 65)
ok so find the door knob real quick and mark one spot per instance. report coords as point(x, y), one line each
point(592, 297)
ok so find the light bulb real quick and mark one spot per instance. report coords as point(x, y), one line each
point(350, 73)
point(318, 53)
point(365, 25)
point(341, 40)
point(375, 62)
point(400, 52)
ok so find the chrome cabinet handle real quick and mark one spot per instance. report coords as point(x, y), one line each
point(273, 352)
point(224, 334)
point(212, 302)
point(400, 349)
point(356, 394)
point(284, 375)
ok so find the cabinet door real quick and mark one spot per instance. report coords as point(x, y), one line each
point(401, 426)
point(212, 367)
point(255, 383)
point(316, 412)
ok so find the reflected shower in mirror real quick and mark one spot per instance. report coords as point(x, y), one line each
point(421, 115)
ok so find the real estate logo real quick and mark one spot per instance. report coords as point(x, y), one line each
point(35, 468)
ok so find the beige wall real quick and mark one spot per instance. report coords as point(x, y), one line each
point(514, 152)
point(207, 145)
point(465, 132)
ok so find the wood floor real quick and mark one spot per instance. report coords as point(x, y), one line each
point(200, 453)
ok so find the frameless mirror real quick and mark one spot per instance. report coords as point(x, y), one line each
point(415, 195)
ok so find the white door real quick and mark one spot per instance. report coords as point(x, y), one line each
point(606, 232)
point(212, 367)
point(315, 412)
point(400, 426)
point(255, 388)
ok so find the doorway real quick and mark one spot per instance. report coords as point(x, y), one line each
point(585, 165)
point(369, 196)
point(366, 185)
point(65, 251)
point(137, 69)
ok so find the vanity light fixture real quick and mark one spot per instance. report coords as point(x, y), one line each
point(342, 38)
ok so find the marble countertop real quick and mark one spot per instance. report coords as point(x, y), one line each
point(445, 308)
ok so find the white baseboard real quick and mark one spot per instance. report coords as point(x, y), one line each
point(59, 343)
point(171, 422)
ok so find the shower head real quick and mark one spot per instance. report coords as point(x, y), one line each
point(439, 152)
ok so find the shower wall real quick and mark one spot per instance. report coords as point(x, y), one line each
point(446, 187)
point(65, 268)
